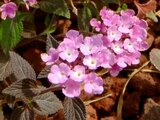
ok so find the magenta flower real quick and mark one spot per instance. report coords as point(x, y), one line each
point(91, 45)
point(71, 88)
point(117, 47)
point(98, 25)
point(128, 13)
point(59, 74)
point(51, 57)
point(91, 62)
point(138, 32)
point(140, 45)
point(129, 45)
point(30, 3)
point(106, 58)
point(117, 43)
point(132, 58)
point(78, 73)
point(113, 34)
point(121, 61)
point(93, 84)
point(73, 37)
point(68, 52)
point(8, 9)
point(114, 71)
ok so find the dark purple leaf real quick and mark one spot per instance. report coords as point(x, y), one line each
point(74, 109)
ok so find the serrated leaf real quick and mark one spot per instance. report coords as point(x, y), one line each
point(21, 68)
point(84, 17)
point(58, 7)
point(10, 33)
point(155, 57)
point(74, 109)
point(46, 103)
point(25, 88)
point(22, 114)
point(5, 66)
point(44, 72)
point(51, 42)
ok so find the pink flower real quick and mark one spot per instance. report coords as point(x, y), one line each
point(140, 45)
point(68, 52)
point(8, 9)
point(117, 47)
point(91, 62)
point(114, 71)
point(51, 57)
point(73, 37)
point(78, 73)
point(138, 32)
point(98, 25)
point(132, 58)
point(91, 45)
point(71, 88)
point(121, 61)
point(93, 84)
point(59, 73)
point(30, 3)
point(129, 45)
point(106, 58)
point(113, 34)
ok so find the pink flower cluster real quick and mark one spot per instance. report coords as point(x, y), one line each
point(116, 45)
point(8, 9)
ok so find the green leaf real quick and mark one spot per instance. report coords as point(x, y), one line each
point(155, 57)
point(93, 8)
point(84, 17)
point(21, 68)
point(51, 42)
point(25, 88)
point(22, 114)
point(5, 66)
point(124, 6)
point(46, 103)
point(74, 109)
point(58, 7)
point(10, 33)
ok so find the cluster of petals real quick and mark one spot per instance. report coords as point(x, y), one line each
point(8, 9)
point(117, 44)
point(124, 36)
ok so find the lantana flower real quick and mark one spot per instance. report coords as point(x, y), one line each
point(8, 9)
point(30, 3)
point(117, 43)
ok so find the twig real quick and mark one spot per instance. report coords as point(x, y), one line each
point(145, 70)
point(98, 99)
point(120, 102)
point(74, 9)
point(52, 88)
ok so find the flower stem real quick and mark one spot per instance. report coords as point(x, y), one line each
point(52, 88)
point(120, 102)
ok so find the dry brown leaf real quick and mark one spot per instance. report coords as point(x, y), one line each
point(158, 13)
point(146, 7)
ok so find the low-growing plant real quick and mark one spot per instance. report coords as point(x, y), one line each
point(109, 40)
